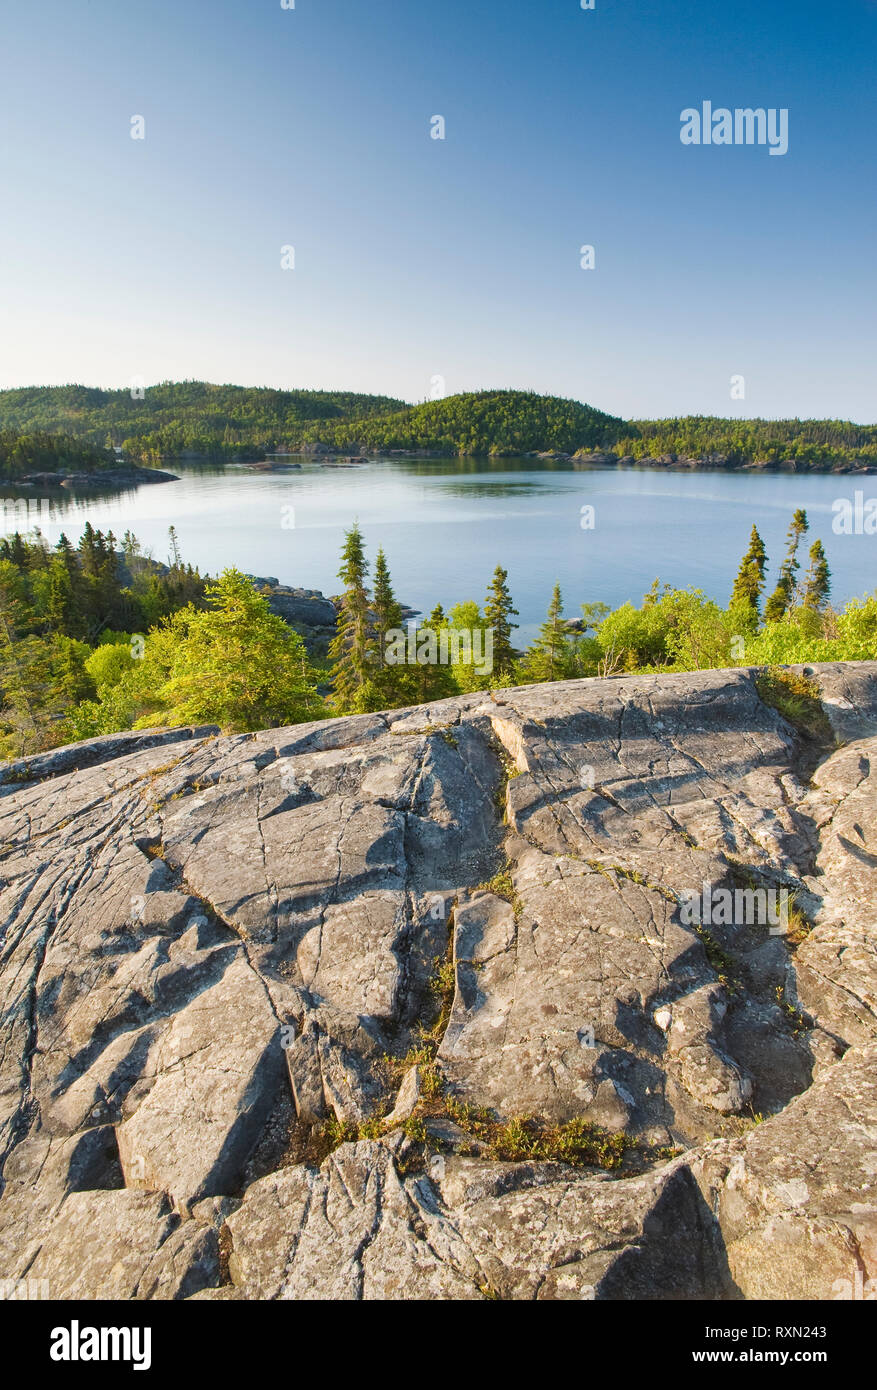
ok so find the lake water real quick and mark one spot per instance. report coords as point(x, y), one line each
point(445, 525)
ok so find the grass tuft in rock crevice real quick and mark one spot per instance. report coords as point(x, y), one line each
point(798, 699)
point(502, 886)
point(579, 1142)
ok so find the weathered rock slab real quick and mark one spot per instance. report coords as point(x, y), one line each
point(222, 956)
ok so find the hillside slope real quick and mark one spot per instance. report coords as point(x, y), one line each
point(479, 423)
point(178, 417)
point(224, 422)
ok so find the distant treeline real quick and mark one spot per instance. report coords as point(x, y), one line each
point(179, 418)
point(223, 423)
point(49, 453)
point(819, 444)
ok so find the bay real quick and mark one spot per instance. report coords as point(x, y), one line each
point(445, 525)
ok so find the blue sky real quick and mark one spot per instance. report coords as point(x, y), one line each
point(417, 258)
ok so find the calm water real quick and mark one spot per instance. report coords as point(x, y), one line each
point(444, 526)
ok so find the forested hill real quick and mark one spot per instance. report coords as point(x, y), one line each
point(176, 418)
point(195, 418)
point(819, 444)
point(198, 420)
point(479, 422)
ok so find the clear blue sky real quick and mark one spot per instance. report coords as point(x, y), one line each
point(459, 258)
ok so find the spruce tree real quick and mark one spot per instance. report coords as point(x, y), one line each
point(175, 557)
point(70, 594)
point(749, 583)
point(59, 601)
point(15, 550)
point(548, 658)
point(817, 581)
point(388, 614)
point(386, 687)
point(783, 596)
point(351, 650)
point(498, 611)
point(89, 551)
point(66, 551)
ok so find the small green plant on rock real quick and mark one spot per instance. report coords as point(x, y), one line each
point(723, 964)
point(502, 886)
point(797, 698)
point(796, 1020)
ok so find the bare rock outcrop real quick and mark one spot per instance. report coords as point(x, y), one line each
point(295, 1014)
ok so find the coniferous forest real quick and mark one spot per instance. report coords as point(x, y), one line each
point(78, 427)
point(97, 637)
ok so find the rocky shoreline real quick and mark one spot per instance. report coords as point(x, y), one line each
point(128, 476)
point(328, 456)
point(274, 1004)
point(713, 462)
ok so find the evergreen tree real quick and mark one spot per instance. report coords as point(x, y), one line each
point(387, 686)
point(175, 558)
point(67, 554)
point(15, 550)
point(236, 663)
point(817, 581)
point(783, 596)
point(498, 611)
point(351, 650)
point(60, 602)
point(388, 614)
point(18, 696)
point(15, 609)
point(749, 583)
point(89, 551)
point(548, 658)
point(64, 595)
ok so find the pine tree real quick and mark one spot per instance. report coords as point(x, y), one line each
point(817, 581)
point(133, 556)
point(351, 650)
point(749, 583)
point(498, 611)
point(783, 596)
